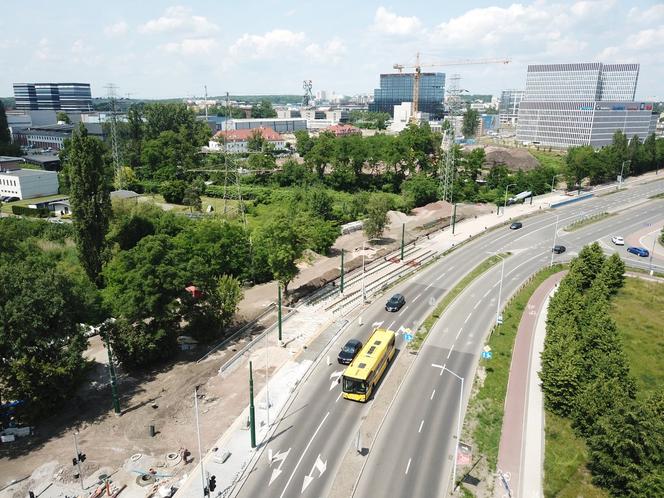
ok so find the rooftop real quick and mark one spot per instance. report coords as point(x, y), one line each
point(24, 173)
point(244, 134)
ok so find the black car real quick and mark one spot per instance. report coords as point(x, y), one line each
point(559, 249)
point(516, 225)
point(349, 351)
point(395, 303)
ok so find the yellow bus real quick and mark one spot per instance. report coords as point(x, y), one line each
point(361, 376)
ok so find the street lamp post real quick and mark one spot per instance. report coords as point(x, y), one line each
point(458, 435)
point(267, 377)
point(198, 435)
point(621, 172)
point(364, 294)
point(506, 191)
point(652, 251)
point(500, 287)
point(555, 233)
point(554, 179)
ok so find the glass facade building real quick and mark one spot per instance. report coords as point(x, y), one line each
point(68, 97)
point(508, 110)
point(568, 105)
point(397, 88)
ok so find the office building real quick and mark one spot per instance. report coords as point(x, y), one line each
point(508, 110)
point(68, 97)
point(568, 105)
point(280, 125)
point(52, 137)
point(397, 88)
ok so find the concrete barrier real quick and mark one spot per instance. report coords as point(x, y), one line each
point(570, 201)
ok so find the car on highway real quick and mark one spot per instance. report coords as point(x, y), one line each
point(639, 251)
point(559, 249)
point(618, 240)
point(349, 351)
point(395, 303)
point(516, 225)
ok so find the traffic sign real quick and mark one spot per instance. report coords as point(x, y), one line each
point(408, 337)
point(486, 348)
point(487, 355)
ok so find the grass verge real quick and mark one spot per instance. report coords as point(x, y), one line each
point(428, 323)
point(588, 221)
point(657, 196)
point(643, 338)
point(611, 192)
point(7, 206)
point(486, 408)
point(565, 458)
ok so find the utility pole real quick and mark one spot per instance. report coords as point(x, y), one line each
point(114, 381)
point(279, 310)
point(341, 283)
point(454, 218)
point(200, 450)
point(252, 420)
point(403, 234)
point(80, 457)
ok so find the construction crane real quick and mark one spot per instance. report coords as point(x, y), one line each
point(418, 72)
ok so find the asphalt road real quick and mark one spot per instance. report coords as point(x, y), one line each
point(412, 454)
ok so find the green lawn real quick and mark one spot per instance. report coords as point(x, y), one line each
point(550, 159)
point(565, 457)
point(638, 311)
point(486, 409)
point(587, 221)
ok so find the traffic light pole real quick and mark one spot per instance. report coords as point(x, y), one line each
point(78, 461)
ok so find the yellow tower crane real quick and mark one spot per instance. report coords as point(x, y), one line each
point(418, 72)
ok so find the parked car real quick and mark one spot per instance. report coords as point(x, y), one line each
point(349, 351)
point(559, 249)
point(516, 225)
point(618, 240)
point(395, 303)
point(639, 251)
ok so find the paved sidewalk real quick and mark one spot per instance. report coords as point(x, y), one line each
point(521, 451)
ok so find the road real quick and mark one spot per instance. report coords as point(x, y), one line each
point(411, 456)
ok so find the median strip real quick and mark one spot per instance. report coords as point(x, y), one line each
point(429, 322)
point(588, 221)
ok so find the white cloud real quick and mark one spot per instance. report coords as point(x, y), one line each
point(44, 51)
point(117, 29)
point(190, 46)
point(389, 23)
point(647, 39)
point(330, 52)
point(266, 46)
point(653, 14)
point(179, 18)
point(592, 8)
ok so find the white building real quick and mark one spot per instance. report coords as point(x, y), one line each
point(237, 141)
point(402, 115)
point(27, 183)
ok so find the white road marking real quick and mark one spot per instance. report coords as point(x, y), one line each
point(432, 394)
point(319, 465)
point(436, 365)
point(303, 453)
point(486, 293)
point(468, 317)
point(279, 457)
point(417, 297)
point(476, 305)
point(390, 325)
point(337, 398)
point(427, 287)
point(335, 376)
point(408, 466)
point(449, 354)
point(440, 276)
point(421, 424)
point(404, 310)
point(459, 332)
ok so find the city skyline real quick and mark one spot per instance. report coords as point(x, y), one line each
point(166, 50)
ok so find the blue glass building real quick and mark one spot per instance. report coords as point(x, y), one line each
point(72, 97)
point(397, 88)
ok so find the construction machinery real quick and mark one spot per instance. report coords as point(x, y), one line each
point(418, 72)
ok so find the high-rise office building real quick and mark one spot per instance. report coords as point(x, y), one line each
point(582, 104)
point(397, 88)
point(508, 110)
point(72, 97)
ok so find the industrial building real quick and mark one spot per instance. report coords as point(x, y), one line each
point(397, 88)
point(568, 105)
point(68, 97)
point(26, 183)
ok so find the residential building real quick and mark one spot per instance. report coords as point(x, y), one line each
point(568, 105)
point(237, 141)
point(53, 96)
point(27, 183)
point(508, 110)
point(397, 88)
point(280, 125)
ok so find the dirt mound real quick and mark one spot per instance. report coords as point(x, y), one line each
point(440, 208)
point(513, 158)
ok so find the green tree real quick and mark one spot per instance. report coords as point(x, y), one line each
point(174, 191)
point(319, 202)
point(90, 188)
point(134, 137)
point(419, 190)
point(41, 344)
point(256, 141)
point(175, 118)
point(263, 110)
point(7, 148)
point(613, 273)
point(226, 298)
point(279, 246)
point(167, 157)
point(471, 120)
point(62, 117)
point(376, 220)
point(561, 370)
point(192, 195)
point(588, 264)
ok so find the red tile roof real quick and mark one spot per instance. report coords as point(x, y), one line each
point(243, 135)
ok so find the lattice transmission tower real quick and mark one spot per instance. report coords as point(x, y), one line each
point(117, 166)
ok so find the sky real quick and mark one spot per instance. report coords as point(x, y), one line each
point(158, 49)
